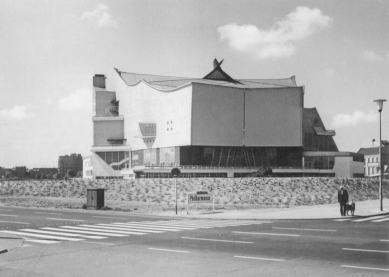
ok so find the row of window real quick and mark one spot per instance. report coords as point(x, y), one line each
point(319, 162)
point(88, 172)
point(371, 160)
point(253, 157)
point(117, 157)
point(319, 143)
point(183, 175)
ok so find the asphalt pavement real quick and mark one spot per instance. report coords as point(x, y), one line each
point(99, 243)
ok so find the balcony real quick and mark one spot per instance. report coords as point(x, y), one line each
point(110, 111)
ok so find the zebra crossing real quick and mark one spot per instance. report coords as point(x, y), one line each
point(376, 219)
point(81, 232)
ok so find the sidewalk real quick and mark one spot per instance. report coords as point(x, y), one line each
point(9, 242)
point(330, 211)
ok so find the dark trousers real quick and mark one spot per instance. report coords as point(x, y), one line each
point(342, 209)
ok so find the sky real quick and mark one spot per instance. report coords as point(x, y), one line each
point(50, 50)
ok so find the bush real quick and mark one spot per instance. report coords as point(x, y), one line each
point(105, 208)
point(70, 173)
point(84, 207)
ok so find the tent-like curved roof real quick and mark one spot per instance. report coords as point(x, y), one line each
point(216, 77)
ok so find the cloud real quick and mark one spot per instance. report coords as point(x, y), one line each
point(277, 41)
point(17, 112)
point(100, 16)
point(353, 119)
point(371, 56)
point(81, 99)
point(48, 101)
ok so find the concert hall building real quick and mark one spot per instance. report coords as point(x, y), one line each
point(215, 126)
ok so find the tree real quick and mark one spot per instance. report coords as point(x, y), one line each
point(70, 173)
point(79, 174)
point(8, 175)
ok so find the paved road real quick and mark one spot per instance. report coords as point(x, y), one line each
point(96, 243)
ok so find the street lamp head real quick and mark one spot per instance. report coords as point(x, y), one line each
point(380, 103)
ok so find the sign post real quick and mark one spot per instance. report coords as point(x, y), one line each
point(176, 173)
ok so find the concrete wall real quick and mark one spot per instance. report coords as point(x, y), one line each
point(217, 116)
point(107, 128)
point(274, 117)
point(346, 167)
point(170, 110)
point(101, 100)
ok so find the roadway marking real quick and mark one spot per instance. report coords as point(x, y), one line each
point(110, 217)
point(384, 240)
point(322, 230)
point(8, 215)
point(47, 213)
point(61, 234)
point(15, 222)
point(26, 245)
point(42, 241)
point(369, 268)
point(146, 227)
point(370, 218)
point(84, 232)
point(115, 227)
point(381, 220)
point(65, 219)
point(258, 258)
point(342, 219)
point(169, 250)
point(102, 230)
point(99, 242)
point(365, 250)
point(6, 210)
point(234, 241)
point(269, 234)
point(23, 234)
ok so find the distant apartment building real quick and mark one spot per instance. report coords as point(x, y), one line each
point(72, 162)
point(20, 171)
point(372, 159)
point(46, 170)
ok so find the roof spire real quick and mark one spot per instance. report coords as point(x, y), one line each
point(216, 63)
point(218, 74)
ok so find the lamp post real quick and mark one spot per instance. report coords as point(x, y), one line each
point(380, 103)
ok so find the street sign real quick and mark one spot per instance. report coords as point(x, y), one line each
point(199, 197)
point(175, 172)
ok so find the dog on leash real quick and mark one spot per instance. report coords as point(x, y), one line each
point(350, 208)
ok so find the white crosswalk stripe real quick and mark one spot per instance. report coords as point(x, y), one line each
point(50, 235)
point(61, 234)
point(84, 232)
point(118, 227)
point(112, 232)
point(42, 241)
point(25, 234)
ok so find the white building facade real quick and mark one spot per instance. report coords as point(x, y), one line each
point(214, 126)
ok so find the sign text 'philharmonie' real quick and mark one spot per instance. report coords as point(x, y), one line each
point(199, 197)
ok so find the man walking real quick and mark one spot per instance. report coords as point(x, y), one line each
point(342, 199)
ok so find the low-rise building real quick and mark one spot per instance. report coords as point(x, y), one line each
point(371, 159)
